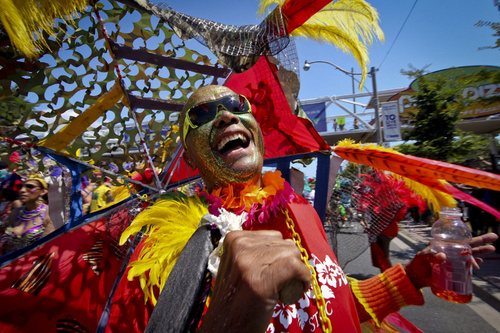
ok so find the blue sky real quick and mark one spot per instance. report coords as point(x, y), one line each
point(436, 33)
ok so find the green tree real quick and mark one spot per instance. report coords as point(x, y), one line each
point(495, 26)
point(352, 170)
point(469, 146)
point(435, 135)
point(438, 106)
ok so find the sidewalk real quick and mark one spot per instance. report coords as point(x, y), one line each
point(486, 281)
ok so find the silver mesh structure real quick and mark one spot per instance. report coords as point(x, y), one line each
point(361, 207)
point(237, 47)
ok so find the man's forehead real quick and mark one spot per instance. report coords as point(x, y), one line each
point(207, 94)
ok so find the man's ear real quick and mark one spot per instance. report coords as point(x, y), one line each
point(189, 160)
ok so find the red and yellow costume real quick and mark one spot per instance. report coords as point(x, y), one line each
point(374, 298)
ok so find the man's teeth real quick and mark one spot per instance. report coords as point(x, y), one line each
point(225, 140)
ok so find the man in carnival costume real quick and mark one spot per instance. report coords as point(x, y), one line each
point(273, 267)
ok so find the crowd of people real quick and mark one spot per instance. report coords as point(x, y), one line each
point(27, 213)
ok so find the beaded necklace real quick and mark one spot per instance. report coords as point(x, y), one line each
point(30, 215)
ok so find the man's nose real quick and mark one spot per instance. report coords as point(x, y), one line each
point(225, 118)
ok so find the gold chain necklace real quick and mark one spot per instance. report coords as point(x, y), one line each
point(326, 324)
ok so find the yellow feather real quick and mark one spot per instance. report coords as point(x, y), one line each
point(350, 25)
point(434, 198)
point(265, 6)
point(170, 223)
point(351, 143)
point(355, 17)
point(26, 21)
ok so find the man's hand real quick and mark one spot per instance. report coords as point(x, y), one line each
point(419, 269)
point(254, 268)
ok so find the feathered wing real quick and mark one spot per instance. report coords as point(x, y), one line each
point(351, 26)
point(414, 193)
point(431, 173)
point(406, 165)
point(169, 224)
point(26, 21)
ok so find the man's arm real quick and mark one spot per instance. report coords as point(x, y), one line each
point(400, 286)
point(254, 268)
point(419, 269)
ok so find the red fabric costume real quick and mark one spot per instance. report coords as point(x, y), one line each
point(340, 306)
point(64, 283)
point(376, 297)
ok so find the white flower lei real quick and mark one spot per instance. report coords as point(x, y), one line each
point(225, 222)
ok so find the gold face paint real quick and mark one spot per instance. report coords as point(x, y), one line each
point(228, 149)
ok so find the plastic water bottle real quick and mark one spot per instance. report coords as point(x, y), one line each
point(451, 280)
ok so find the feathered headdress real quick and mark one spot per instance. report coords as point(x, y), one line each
point(350, 25)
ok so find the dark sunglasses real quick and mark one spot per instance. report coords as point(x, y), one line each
point(206, 112)
point(29, 186)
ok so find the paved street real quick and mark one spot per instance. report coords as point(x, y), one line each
point(482, 314)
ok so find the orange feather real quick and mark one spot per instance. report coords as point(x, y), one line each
point(406, 166)
point(431, 173)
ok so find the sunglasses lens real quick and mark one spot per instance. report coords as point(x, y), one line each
point(202, 114)
point(236, 105)
point(243, 105)
point(29, 186)
point(206, 112)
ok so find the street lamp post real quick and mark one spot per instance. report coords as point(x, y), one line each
point(307, 66)
point(375, 104)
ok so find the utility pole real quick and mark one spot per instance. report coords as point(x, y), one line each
point(375, 99)
point(353, 90)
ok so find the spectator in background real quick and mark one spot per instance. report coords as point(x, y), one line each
point(86, 193)
point(9, 189)
point(101, 195)
point(341, 121)
point(335, 124)
point(30, 222)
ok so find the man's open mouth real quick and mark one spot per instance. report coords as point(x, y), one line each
point(231, 142)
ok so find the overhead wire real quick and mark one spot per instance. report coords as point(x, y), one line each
point(399, 32)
